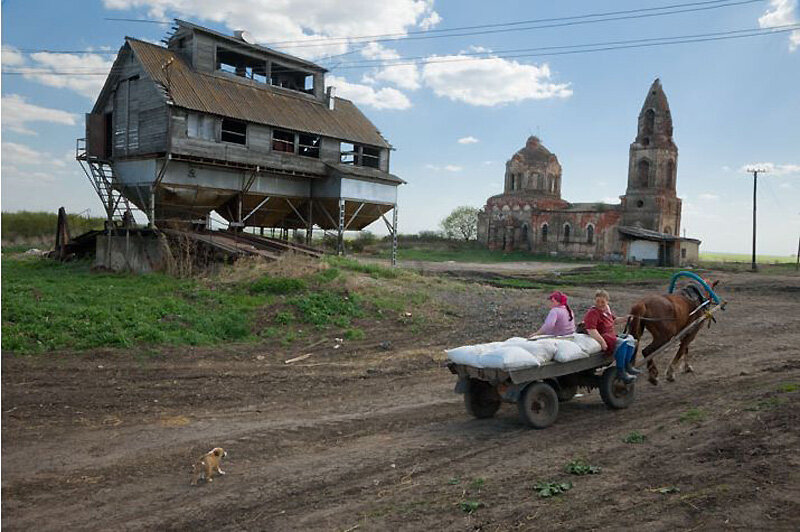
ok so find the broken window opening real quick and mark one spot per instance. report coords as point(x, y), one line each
point(241, 65)
point(289, 78)
point(282, 141)
point(370, 157)
point(567, 230)
point(590, 234)
point(309, 145)
point(234, 131)
point(349, 153)
point(643, 173)
point(545, 230)
point(649, 121)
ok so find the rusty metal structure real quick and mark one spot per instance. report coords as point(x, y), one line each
point(214, 122)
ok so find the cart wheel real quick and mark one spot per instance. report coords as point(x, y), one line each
point(538, 406)
point(481, 399)
point(565, 393)
point(615, 393)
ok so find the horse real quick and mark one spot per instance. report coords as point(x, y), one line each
point(664, 316)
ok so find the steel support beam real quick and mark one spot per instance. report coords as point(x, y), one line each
point(251, 213)
point(341, 228)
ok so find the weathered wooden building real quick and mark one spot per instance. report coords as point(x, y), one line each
point(214, 122)
point(645, 227)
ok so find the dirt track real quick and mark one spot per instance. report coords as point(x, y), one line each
point(375, 438)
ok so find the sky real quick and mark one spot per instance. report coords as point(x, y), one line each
point(461, 102)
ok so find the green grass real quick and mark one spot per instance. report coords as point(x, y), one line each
point(581, 467)
point(551, 489)
point(24, 225)
point(278, 285)
point(693, 415)
point(634, 437)
point(51, 306)
point(374, 270)
point(789, 387)
point(746, 257)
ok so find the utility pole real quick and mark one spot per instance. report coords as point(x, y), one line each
point(755, 172)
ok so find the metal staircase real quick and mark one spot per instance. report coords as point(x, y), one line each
point(100, 173)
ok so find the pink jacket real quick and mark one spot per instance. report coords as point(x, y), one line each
point(558, 323)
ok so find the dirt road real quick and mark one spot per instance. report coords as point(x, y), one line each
point(372, 438)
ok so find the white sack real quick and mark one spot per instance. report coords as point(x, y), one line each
point(587, 343)
point(568, 351)
point(509, 357)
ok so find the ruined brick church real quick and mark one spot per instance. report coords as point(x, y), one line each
point(530, 214)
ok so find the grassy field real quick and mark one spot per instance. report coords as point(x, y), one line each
point(49, 306)
point(23, 229)
point(747, 257)
point(467, 252)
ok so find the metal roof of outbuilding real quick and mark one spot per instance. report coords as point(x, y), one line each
point(219, 95)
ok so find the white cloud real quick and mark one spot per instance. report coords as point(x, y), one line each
point(298, 20)
point(403, 76)
point(79, 66)
point(23, 164)
point(782, 13)
point(431, 20)
point(11, 57)
point(468, 140)
point(447, 167)
point(709, 197)
point(773, 169)
point(385, 98)
point(490, 82)
point(17, 114)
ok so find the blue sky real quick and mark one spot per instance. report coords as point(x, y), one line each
point(734, 102)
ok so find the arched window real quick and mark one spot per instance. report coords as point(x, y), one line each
point(670, 174)
point(567, 230)
point(544, 232)
point(590, 234)
point(649, 122)
point(526, 243)
point(668, 230)
point(643, 173)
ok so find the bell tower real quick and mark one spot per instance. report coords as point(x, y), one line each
point(650, 201)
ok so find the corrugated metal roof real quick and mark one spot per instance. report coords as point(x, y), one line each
point(648, 234)
point(211, 93)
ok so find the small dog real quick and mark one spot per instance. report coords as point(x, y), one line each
point(207, 464)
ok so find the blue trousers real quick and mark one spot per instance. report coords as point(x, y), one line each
point(623, 354)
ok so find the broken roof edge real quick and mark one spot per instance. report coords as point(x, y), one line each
point(649, 234)
point(256, 47)
point(345, 103)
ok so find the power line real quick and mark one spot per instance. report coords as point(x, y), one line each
point(346, 40)
point(599, 47)
point(500, 53)
point(438, 33)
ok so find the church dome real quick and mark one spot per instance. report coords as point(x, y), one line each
point(534, 152)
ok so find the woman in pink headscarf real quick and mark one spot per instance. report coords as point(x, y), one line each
point(560, 320)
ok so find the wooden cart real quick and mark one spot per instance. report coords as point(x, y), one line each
point(539, 390)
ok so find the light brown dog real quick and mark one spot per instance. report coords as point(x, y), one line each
point(207, 464)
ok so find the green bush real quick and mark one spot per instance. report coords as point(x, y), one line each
point(278, 285)
point(324, 308)
point(24, 225)
point(354, 334)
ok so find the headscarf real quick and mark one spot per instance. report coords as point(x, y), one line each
point(561, 299)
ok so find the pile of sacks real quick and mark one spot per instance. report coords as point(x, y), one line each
point(518, 353)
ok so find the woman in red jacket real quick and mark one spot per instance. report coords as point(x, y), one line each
point(599, 322)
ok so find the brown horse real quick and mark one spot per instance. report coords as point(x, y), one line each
point(664, 316)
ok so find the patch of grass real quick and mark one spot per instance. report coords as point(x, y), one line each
point(374, 270)
point(326, 307)
point(616, 274)
point(552, 489)
point(278, 285)
point(746, 258)
point(788, 387)
point(693, 415)
point(49, 306)
point(284, 317)
point(327, 275)
point(354, 334)
point(768, 404)
point(477, 483)
point(25, 225)
point(581, 467)
point(469, 507)
point(454, 481)
point(634, 437)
